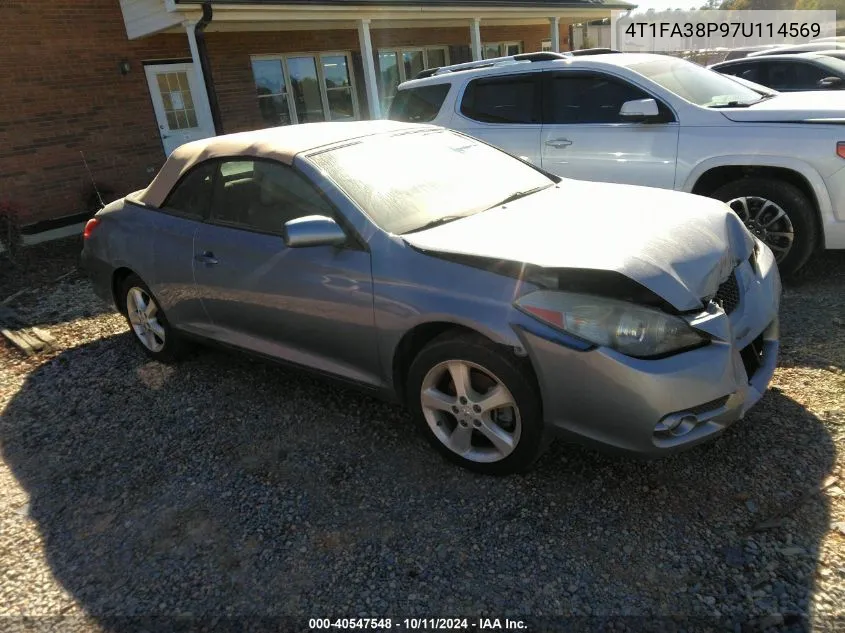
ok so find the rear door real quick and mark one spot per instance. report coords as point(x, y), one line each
point(585, 138)
point(505, 111)
point(312, 305)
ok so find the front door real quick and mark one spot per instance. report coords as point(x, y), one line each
point(584, 137)
point(310, 305)
point(181, 118)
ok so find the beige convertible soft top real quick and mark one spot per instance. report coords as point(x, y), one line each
point(279, 143)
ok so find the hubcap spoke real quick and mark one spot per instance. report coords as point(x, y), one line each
point(496, 398)
point(762, 210)
point(780, 213)
point(138, 300)
point(436, 399)
point(501, 439)
point(461, 379)
point(743, 211)
point(155, 328)
point(460, 440)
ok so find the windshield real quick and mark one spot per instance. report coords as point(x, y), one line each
point(695, 83)
point(409, 181)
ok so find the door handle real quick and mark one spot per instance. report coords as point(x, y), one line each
point(207, 258)
point(560, 143)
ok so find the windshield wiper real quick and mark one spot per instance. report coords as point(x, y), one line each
point(436, 222)
point(520, 194)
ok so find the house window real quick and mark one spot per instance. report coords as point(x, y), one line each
point(396, 65)
point(305, 88)
point(500, 49)
point(546, 46)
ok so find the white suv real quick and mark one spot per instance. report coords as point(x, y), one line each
point(777, 159)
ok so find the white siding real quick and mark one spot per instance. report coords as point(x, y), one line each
point(145, 17)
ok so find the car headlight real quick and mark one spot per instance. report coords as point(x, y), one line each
point(628, 328)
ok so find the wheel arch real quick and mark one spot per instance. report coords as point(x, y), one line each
point(120, 274)
point(710, 175)
point(420, 335)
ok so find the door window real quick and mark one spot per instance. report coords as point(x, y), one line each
point(794, 75)
point(751, 72)
point(192, 195)
point(305, 88)
point(502, 100)
point(591, 99)
point(263, 195)
point(178, 103)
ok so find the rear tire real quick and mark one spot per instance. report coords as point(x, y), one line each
point(148, 324)
point(489, 418)
point(757, 201)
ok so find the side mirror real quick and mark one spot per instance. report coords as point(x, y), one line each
point(639, 110)
point(834, 83)
point(313, 230)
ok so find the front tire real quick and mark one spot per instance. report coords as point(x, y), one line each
point(148, 323)
point(477, 405)
point(777, 213)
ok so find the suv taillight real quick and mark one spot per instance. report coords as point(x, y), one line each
point(840, 149)
point(90, 225)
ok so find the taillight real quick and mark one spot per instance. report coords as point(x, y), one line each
point(90, 225)
point(840, 149)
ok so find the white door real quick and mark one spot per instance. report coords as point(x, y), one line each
point(584, 137)
point(181, 118)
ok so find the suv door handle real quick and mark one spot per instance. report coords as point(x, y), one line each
point(560, 143)
point(207, 258)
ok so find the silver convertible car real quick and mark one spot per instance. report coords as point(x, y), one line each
point(501, 304)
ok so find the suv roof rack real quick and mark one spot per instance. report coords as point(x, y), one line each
point(544, 56)
point(593, 51)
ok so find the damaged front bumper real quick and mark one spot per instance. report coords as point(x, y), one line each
point(658, 406)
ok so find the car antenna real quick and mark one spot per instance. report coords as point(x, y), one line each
point(91, 176)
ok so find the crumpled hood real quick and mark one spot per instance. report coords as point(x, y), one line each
point(680, 246)
point(793, 107)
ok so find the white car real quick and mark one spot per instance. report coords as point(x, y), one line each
point(777, 159)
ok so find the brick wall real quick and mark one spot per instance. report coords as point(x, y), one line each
point(230, 57)
point(62, 93)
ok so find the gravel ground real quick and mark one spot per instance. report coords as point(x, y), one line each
point(229, 487)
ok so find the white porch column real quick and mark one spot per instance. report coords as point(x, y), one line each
point(475, 39)
point(555, 28)
point(367, 59)
point(201, 101)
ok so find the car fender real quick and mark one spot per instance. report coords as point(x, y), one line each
point(757, 160)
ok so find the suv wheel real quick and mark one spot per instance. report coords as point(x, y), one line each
point(779, 214)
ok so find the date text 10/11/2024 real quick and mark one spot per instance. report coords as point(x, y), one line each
point(415, 624)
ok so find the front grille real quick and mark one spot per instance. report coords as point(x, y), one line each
point(752, 356)
point(727, 295)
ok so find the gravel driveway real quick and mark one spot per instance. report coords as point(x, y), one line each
point(226, 486)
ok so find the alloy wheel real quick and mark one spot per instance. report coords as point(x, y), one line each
point(143, 315)
point(767, 221)
point(470, 411)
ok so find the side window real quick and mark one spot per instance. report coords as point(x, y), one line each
point(502, 100)
point(794, 75)
point(751, 72)
point(418, 105)
point(592, 99)
point(262, 195)
point(192, 195)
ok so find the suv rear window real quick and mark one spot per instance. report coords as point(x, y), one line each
point(502, 100)
point(418, 105)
